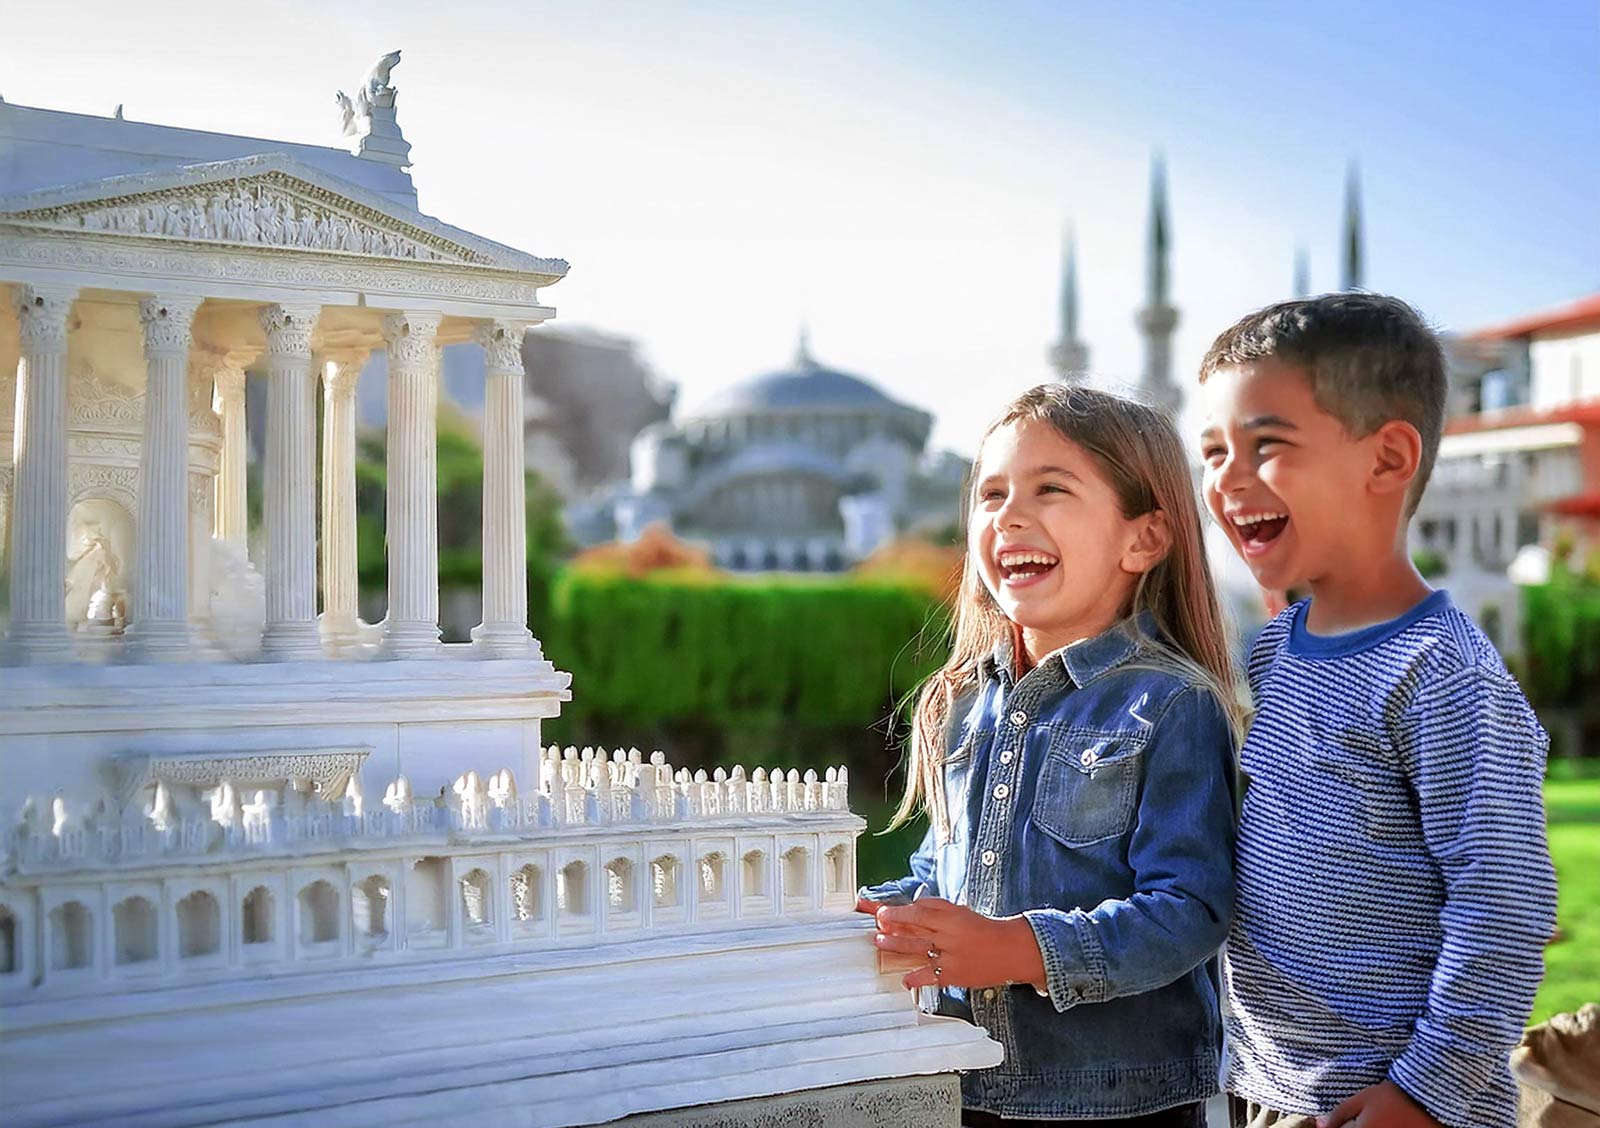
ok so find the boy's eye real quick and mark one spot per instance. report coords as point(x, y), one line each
point(1212, 453)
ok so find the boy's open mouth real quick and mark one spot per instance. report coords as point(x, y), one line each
point(1257, 530)
point(1019, 565)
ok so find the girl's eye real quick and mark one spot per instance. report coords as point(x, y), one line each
point(1051, 487)
point(990, 495)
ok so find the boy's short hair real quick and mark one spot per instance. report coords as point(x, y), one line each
point(1370, 359)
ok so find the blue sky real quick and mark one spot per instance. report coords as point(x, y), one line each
point(898, 174)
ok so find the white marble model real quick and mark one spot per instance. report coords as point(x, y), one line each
point(262, 861)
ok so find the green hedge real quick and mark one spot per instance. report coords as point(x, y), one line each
point(1561, 641)
point(724, 652)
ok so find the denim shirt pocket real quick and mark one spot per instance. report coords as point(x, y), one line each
point(1089, 785)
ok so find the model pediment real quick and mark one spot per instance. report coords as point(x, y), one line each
point(271, 202)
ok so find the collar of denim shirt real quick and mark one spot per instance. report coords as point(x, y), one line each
point(1085, 659)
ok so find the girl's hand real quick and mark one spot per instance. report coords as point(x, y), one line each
point(963, 948)
point(1384, 1105)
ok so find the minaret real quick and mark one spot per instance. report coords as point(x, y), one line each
point(1158, 318)
point(1302, 274)
point(1069, 356)
point(1350, 275)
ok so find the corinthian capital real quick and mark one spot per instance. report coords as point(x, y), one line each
point(410, 337)
point(339, 376)
point(42, 313)
point(167, 321)
point(502, 345)
point(288, 328)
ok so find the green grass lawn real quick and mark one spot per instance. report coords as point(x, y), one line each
point(1572, 963)
point(1572, 807)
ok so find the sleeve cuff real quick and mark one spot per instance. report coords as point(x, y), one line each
point(1074, 966)
point(900, 889)
point(1447, 1085)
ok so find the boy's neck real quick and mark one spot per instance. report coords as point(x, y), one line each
point(1363, 593)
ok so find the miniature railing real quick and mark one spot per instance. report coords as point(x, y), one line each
point(586, 788)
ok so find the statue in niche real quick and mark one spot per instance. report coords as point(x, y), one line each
point(97, 595)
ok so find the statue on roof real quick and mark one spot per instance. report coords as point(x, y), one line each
point(370, 117)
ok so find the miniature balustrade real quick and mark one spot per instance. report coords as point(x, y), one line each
point(584, 787)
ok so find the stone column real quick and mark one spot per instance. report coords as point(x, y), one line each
point(411, 628)
point(340, 626)
point(290, 487)
point(38, 521)
point(504, 630)
point(231, 511)
point(160, 614)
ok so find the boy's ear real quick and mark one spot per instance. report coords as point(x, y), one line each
point(1149, 545)
point(1397, 450)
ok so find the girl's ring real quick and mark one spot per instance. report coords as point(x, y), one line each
point(937, 972)
point(933, 954)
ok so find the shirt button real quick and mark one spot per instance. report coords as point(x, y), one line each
point(1005, 757)
point(1089, 758)
point(1001, 791)
point(988, 857)
point(1019, 718)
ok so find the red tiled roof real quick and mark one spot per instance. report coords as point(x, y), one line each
point(1581, 314)
point(1578, 505)
point(1586, 413)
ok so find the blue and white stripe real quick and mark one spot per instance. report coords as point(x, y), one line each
point(1395, 891)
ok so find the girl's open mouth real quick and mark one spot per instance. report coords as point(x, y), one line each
point(1025, 566)
point(1257, 531)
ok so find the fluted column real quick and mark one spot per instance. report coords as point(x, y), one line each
point(340, 625)
point(290, 487)
point(504, 630)
point(160, 628)
point(411, 629)
point(231, 511)
point(39, 457)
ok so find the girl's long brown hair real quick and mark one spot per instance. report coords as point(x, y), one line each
point(1137, 449)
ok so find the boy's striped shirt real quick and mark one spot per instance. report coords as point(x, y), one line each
point(1394, 889)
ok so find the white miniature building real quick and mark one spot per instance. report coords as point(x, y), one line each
point(271, 863)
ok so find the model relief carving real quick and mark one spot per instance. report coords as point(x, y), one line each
point(260, 213)
point(288, 329)
point(168, 322)
point(94, 401)
point(502, 345)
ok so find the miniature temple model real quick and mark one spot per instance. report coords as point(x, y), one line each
point(262, 860)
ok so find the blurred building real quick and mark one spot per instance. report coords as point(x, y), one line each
point(804, 469)
point(1519, 464)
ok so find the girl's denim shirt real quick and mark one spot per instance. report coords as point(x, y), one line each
point(1096, 797)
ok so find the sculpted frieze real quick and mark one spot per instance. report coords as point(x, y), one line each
point(254, 266)
point(261, 212)
point(91, 401)
point(118, 483)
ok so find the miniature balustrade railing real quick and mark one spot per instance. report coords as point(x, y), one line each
point(576, 789)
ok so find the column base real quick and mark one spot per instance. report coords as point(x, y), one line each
point(410, 638)
point(293, 640)
point(39, 644)
point(341, 634)
point(159, 642)
point(506, 640)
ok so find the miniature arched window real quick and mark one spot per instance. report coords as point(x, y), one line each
point(754, 873)
point(70, 928)
point(133, 922)
point(369, 907)
point(711, 879)
point(426, 889)
point(525, 906)
point(664, 881)
point(836, 874)
point(199, 925)
point(477, 899)
point(319, 913)
point(8, 941)
point(797, 872)
point(619, 885)
point(572, 897)
point(256, 916)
